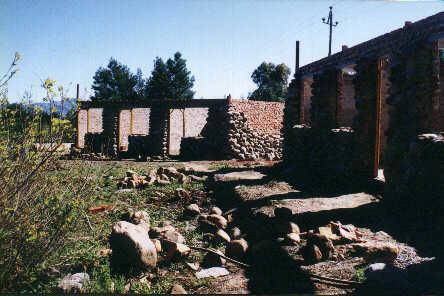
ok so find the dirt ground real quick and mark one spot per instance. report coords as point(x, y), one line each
point(275, 266)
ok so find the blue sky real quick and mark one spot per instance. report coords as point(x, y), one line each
point(223, 41)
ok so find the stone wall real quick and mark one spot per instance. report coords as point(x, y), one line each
point(82, 127)
point(254, 129)
point(419, 182)
point(124, 129)
point(322, 155)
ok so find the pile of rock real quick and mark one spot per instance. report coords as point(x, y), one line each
point(161, 176)
point(136, 244)
point(216, 226)
point(320, 245)
point(247, 144)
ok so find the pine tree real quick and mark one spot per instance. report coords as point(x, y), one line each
point(170, 80)
point(115, 82)
point(158, 85)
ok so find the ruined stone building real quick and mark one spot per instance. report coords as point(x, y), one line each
point(376, 108)
point(193, 129)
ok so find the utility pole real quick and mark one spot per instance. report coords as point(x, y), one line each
point(331, 24)
point(296, 66)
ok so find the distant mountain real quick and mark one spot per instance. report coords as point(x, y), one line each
point(68, 105)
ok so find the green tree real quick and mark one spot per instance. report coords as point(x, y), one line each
point(271, 81)
point(158, 85)
point(170, 80)
point(116, 82)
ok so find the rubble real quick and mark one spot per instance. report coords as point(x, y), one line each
point(211, 260)
point(221, 237)
point(218, 220)
point(192, 210)
point(177, 251)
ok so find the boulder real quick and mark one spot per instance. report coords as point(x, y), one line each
point(235, 233)
point(132, 244)
point(218, 220)
point(141, 218)
point(198, 179)
point(216, 211)
point(182, 179)
point(159, 231)
point(177, 251)
point(237, 248)
point(178, 289)
point(211, 260)
point(192, 210)
point(182, 193)
point(284, 227)
point(221, 237)
point(327, 232)
point(376, 251)
point(311, 253)
point(158, 245)
point(73, 283)
point(324, 244)
point(292, 238)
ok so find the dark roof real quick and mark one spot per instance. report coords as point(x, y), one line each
point(381, 45)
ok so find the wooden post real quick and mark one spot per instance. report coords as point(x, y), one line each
point(378, 118)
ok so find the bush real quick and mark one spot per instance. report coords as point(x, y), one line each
point(40, 203)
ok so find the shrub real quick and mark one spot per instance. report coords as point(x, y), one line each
point(40, 203)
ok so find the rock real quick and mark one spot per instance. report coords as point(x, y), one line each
point(235, 233)
point(218, 220)
point(158, 245)
point(105, 252)
point(182, 179)
point(198, 179)
point(207, 226)
point(313, 254)
point(171, 172)
point(221, 236)
point(73, 283)
point(131, 174)
point(293, 238)
point(173, 236)
point(237, 248)
point(323, 243)
point(162, 182)
point(212, 272)
point(141, 218)
point(164, 177)
point(159, 231)
point(211, 260)
point(182, 193)
point(237, 176)
point(178, 289)
point(283, 213)
point(284, 227)
point(377, 251)
point(131, 243)
point(177, 251)
point(327, 232)
point(192, 210)
point(216, 211)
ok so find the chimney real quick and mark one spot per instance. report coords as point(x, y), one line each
point(344, 47)
point(407, 23)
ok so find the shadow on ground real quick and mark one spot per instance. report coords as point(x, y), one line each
point(274, 270)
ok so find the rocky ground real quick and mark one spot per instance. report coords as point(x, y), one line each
point(232, 227)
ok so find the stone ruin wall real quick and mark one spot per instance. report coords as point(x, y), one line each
point(254, 129)
point(194, 119)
